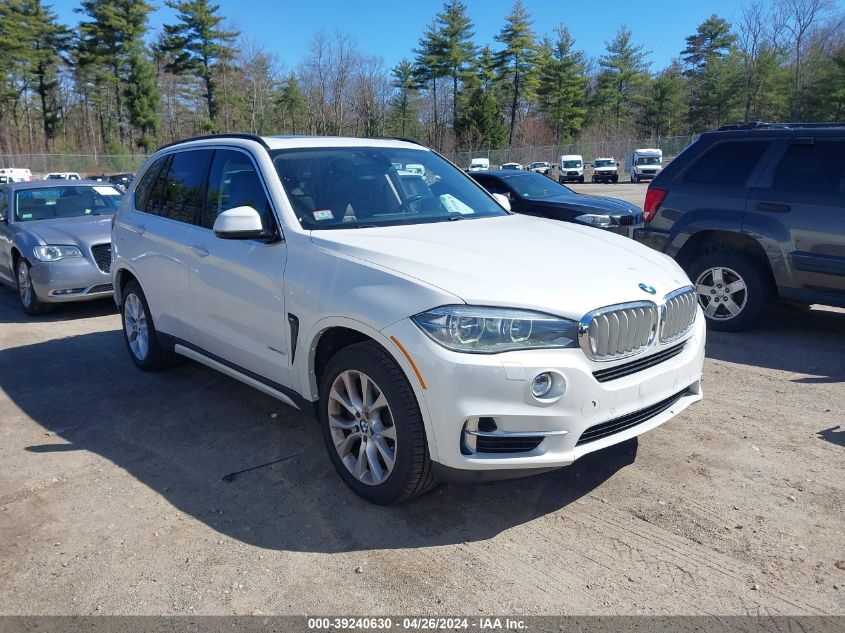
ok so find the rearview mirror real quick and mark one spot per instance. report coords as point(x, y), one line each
point(240, 223)
point(502, 199)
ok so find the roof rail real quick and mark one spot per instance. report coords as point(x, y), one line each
point(240, 135)
point(398, 138)
point(762, 125)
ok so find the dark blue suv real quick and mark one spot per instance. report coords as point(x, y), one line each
point(754, 213)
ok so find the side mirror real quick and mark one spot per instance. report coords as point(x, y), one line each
point(502, 199)
point(240, 223)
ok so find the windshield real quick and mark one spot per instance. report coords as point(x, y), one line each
point(605, 163)
point(356, 187)
point(648, 160)
point(571, 164)
point(533, 165)
point(532, 185)
point(65, 202)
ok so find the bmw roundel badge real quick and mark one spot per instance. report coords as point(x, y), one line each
point(649, 289)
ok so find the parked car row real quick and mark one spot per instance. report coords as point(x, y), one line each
point(641, 164)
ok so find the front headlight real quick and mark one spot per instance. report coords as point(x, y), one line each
point(593, 219)
point(491, 330)
point(54, 252)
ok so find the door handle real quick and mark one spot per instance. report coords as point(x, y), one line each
point(771, 207)
point(199, 251)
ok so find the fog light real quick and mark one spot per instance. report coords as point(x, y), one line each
point(542, 384)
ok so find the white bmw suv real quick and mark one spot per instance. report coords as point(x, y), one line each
point(433, 333)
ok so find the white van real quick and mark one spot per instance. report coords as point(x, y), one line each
point(479, 164)
point(644, 164)
point(571, 168)
point(14, 174)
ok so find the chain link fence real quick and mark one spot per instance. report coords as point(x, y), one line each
point(611, 148)
point(83, 164)
point(95, 164)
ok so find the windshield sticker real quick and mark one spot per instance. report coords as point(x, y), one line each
point(106, 191)
point(26, 216)
point(453, 205)
point(323, 214)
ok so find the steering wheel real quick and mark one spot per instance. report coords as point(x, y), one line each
point(411, 200)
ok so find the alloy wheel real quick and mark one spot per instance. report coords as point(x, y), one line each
point(361, 426)
point(135, 324)
point(25, 284)
point(722, 293)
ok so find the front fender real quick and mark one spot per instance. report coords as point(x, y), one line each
point(304, 363)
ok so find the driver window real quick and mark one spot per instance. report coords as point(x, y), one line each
point(233, 182)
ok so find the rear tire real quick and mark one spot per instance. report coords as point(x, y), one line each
point(139, 332)
point(30, 303)
point(733, 289)
point(372, 426)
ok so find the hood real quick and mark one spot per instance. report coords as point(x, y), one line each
point(515, 261)
point(82, 231)
point(589, 204)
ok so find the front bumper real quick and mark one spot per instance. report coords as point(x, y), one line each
point(610, 175)
point(462, 388)
point(71, 279)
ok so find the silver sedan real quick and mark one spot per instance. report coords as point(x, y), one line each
point(55, 241)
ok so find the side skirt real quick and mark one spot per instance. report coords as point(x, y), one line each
point(274, 389)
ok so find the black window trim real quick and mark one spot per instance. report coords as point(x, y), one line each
point(764, 184)
point(168, 162)
point(279, 233)
point(754, 175)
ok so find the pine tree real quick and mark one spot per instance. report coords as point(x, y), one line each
point(516, 62)
point(482, 122)
point(666, 103)
point(429, 66)
point(405, 84)
point(199, 46)
point(290, 105)
point(712, 38)
point(113, 30)
point(709, 78)
point(32, 41)
point(143, 98)
point(623, 71)
point(458, 52)
point(562, 84)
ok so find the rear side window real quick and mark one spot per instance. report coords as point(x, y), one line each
point(145, 185)
point(726, 164)
point(178, 191)
point(233, 182)
point(812, 168)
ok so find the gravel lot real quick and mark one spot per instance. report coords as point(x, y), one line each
point(113, 498)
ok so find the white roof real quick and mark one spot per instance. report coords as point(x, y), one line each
point(648, 151)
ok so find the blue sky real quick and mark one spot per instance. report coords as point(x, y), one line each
point(391, 28)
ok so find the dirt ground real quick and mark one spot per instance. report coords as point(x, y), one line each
point(113, 498)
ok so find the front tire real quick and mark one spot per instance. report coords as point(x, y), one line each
point(139, 332)
point(733, 289)
point(581, 179)
point(30, 303)
point(372, 426)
